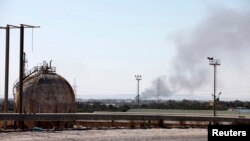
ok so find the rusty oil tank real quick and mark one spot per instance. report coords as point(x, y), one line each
point(44, 91)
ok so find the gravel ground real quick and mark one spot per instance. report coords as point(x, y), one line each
point(110, 135)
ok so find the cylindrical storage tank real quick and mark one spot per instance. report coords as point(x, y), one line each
point(46, 92)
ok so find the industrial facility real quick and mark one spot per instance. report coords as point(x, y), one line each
point(45, 99)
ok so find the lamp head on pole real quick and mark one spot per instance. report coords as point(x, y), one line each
point(210, 58)
point(138, 77)
point(213, 61)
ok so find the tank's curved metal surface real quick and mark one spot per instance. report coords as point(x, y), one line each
point(45, 92)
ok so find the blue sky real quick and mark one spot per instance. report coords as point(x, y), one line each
point(103, 43)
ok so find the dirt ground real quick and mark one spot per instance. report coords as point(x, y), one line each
point(109, 135)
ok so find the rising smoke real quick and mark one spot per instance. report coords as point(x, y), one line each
point(158, 89)
point(225, 35)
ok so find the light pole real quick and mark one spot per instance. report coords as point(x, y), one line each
point(215, 63)
point(138, 78)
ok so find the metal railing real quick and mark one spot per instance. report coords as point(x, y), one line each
point(34, 70)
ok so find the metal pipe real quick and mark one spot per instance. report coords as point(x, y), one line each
point(50, 64)
point(6, 87)
point(30, 26)
point(24, 62)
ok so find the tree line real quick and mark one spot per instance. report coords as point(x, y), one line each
point(91, 106)
point(123, 106)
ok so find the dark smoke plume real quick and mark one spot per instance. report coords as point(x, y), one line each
point(225, 35)
point(158, 89)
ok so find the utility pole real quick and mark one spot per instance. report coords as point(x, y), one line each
point(6, 84)
point(138, 78)
point(21, 66)
point(215, 63)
